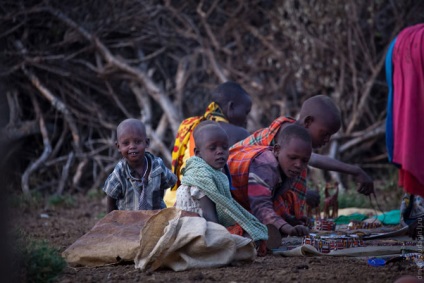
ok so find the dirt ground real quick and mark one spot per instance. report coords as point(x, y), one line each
point(61, 226)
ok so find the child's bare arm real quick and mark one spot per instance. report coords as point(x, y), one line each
point(111, 204)
point(366, 184)
point(209, 209)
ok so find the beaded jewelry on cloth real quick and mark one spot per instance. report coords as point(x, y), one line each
point(141, 182)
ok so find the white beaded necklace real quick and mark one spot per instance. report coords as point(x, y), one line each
point(146, 168)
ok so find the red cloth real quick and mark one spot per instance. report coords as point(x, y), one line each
point(246, 190)
point(239, 162)
point(237, 230)
point(410, 183)
point(288, 204)
point(408, 108)
point(265, 136)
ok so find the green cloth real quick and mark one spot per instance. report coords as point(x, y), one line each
point(216, 186)
point(390, 218)
point(387, 218)
point(346, 219)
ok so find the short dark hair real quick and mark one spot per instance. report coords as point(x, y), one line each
point(228, 91)
point(130, 122)
point(204, 125)
point(293, 131)
point(320, 106)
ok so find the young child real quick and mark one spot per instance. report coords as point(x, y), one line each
point(205, 188)
point(322, 118)
point(139, 180)
point(230, 107)
point(262, 177)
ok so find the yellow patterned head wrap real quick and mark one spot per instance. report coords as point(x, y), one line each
point(183, 146)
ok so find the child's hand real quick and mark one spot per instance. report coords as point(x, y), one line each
point(366, 184)
point(293, 221)
point(312, 198)
point(298, 230)
point(307, 221)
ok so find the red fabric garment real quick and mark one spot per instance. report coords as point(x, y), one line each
point(291, 204)
point(235, 230)
point(408, 108)
point(239, 162)
point(410, 183)
point(251, 193)
point(265, 136)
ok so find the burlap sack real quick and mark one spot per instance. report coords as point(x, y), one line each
point(113, 239)
point(165, 238)
point(182, 243)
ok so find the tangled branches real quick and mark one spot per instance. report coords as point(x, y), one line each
point(73, 69)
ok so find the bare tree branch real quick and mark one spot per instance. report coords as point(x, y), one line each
point(46, 152)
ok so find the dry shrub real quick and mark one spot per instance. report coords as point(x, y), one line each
point(72, 70)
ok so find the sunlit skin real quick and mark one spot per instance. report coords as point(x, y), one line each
point(212, 146)
point(293, 157)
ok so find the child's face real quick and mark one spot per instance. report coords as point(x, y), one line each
point(132, 143)
point(212, 147)
point(321, 131)
point(239, 110)
point(293, 157)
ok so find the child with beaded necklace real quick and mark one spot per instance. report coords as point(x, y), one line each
point(139, 180)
